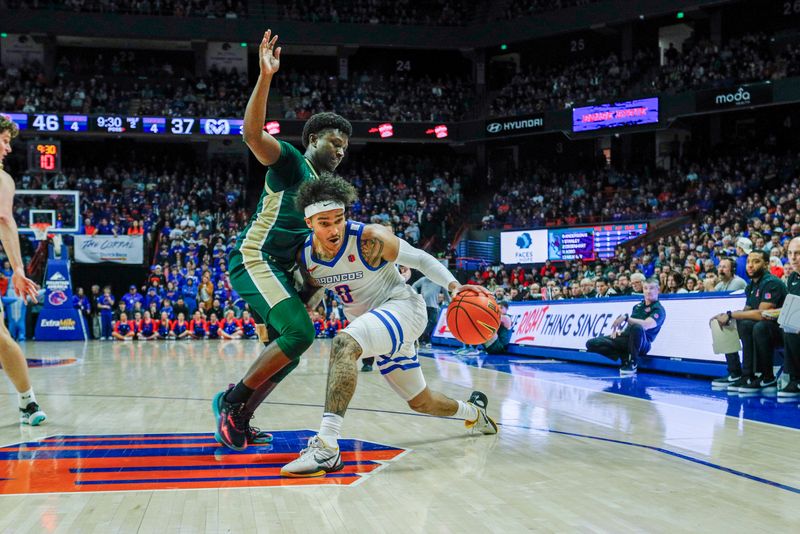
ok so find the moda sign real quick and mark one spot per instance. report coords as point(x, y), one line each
point(734, 97)
point(516, 125)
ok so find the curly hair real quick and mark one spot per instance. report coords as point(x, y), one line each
point(325, 121)
point(329, 186)
point(7, 125)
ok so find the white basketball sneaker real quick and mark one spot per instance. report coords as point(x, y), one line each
point(315, 460)
point(483, 424)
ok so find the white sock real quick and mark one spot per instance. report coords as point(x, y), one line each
point(26, 397)
point(466, 411)
point(331, 429)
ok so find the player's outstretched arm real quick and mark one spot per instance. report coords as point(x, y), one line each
point(9, 236)
point(379, 243)
point(264, 147)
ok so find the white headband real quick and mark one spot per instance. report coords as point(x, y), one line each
point(319, 207)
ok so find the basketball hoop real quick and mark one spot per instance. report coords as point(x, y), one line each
point(40, 231)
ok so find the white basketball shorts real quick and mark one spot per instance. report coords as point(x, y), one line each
point(389, 333)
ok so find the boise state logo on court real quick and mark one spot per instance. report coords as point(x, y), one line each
point(60, 464)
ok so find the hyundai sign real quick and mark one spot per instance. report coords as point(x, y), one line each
point(616, 115)
point(514, 125)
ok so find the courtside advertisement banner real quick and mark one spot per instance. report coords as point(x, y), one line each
point(570, 324)
point(109, 248)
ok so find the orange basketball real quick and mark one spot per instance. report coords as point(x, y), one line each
point(473, 318)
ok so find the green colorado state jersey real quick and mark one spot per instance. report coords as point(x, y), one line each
point(277, 229)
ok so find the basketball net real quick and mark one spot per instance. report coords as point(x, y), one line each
point(40, 234)
point(40, 231)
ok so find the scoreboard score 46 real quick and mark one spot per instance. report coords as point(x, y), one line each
point(44, 156)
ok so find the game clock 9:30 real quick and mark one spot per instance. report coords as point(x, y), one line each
point(44, 156)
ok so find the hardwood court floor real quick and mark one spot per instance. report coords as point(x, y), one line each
point(580, 450)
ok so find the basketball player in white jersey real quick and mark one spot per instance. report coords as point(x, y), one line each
point(387, 316)
point(11, 357)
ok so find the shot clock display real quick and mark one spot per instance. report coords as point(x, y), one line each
point(44, 156)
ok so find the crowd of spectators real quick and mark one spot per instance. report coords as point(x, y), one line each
point(701, 64)
point(705, 64)
point(537, 195)
point(419, 196)
point(541, 88)
point(229, 9)
point(141, 82)
point(218, 94)
point(401, 12)
point(400, 96)
point(404, 12)
point(525, 8)
point(749, 202)
point(124, 82)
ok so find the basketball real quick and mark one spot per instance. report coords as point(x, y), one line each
point(473, 318)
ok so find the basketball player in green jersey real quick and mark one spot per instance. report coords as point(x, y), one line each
point(262, 262)
point(11, 357)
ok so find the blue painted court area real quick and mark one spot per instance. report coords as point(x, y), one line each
point(686, 392)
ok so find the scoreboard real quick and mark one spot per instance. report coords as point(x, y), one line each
point(607, 237)
point(121, 125)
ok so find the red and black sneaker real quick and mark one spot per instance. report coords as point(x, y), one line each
point(232, 422)
point(256, 436)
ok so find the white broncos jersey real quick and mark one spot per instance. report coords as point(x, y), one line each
point(361, 288)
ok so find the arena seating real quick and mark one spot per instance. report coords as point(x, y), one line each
point(525, 8)
point(753, 195)
point(374, 96)
point(405, 12)
point(702, 64)
point(170, 8)
point(149, 88)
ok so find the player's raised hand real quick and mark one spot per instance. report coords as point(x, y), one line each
point(269, 55)
point(24, 286)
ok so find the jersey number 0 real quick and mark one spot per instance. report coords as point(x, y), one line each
point(344, 293)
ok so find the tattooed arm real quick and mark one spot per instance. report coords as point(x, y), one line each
point(379, 243)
